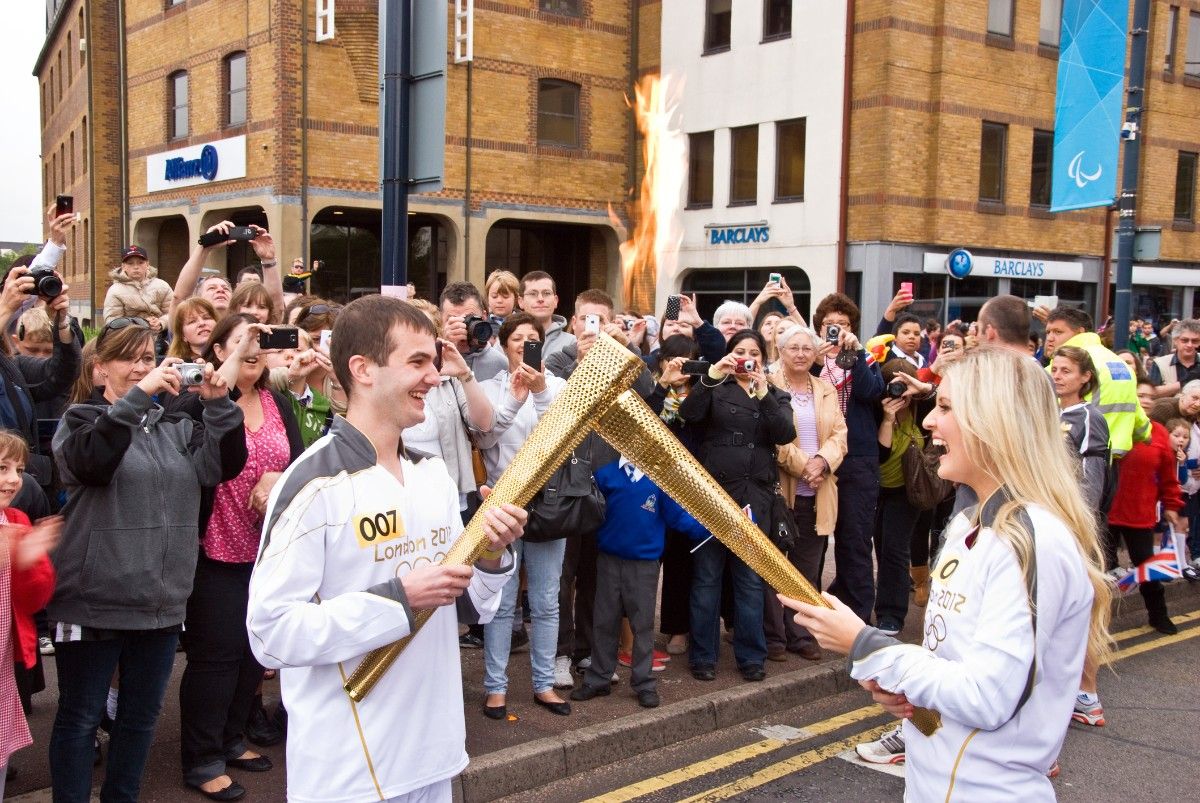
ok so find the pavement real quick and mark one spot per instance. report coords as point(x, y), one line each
point(533, 748)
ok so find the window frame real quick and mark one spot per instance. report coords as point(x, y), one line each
point(227, 64)
point(1172, 40)
point(1191, 67)
point(998, 5)
point(1190, 198)
point(570, 8)
point(174, 106)
point(692, 201)
point(733, 164)
point(768, 36)
point(1048, 140)
point(559, 83)
point(802, 123)
point(1001, 168)
point(709, 29)
point(1057, 25)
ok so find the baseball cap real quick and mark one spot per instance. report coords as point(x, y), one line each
point(134, 251)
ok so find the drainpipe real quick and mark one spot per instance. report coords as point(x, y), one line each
point(123, 110)
point(844, 182)
point(1106, 267)
point(89, 164)
point(631, 154)
point(467, 188)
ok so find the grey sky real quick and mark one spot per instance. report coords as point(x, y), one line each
point(20, 136)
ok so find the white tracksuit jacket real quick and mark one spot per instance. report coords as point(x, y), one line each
point(974, 663)
point(340, 532)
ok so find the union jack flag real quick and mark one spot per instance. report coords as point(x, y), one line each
point(1165, 565)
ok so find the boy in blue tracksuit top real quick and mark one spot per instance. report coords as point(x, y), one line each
point(630, 543)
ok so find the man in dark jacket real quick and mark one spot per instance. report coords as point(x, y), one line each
point(858, 391)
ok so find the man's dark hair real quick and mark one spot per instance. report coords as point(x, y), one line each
point(364, 328)
point(458, 293)
point(512, 322)
point(1073, 317)
point(837, 302)
point(537, 276)
point(932, 324)
point(241, 274)
point(23, 261)
point(1009, 316)
point(903, 318)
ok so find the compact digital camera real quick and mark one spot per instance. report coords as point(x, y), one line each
point(191, 373)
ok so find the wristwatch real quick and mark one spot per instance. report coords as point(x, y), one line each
point(269, 263)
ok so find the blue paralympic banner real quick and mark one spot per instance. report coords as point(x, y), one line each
point(1087, 109)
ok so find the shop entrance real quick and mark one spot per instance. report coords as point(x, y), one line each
point(560, 249)
point(712, 287)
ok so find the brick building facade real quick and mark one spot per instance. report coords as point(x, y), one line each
point(940, 91)
point(82, 154)
point(528, 188)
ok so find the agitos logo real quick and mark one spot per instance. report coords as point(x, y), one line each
point(204, 167)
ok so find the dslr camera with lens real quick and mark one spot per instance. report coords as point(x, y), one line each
point(45, 283)
point(479, 332)
point(895, 389)
point(191, 373)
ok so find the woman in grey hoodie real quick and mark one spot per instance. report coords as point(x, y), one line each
point(134, 474)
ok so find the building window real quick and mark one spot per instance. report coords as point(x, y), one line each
point(83, 148)
point(743, 165)
point(59, 84)
point(1039, 175)
point(992, 147)
point(45, 104)
point(1191, 64)
point(62, 168)
point(71, 160)
point(1172, 38)
point(718, 17)
point(558, 113)
point(789, 160)
point(713, 287)
point(70, 57)
point(1185, 186)
point(777, 19)
point(1000, 17)
point(1051, 25)
point(700, 170)
point(235, 81)
point(82, 39)
point(178, 124)
point(569, 8)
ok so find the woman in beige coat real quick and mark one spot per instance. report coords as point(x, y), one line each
point(806, 479)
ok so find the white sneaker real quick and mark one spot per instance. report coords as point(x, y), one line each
point(889, 749)
point(45, 645)
point(562, 673)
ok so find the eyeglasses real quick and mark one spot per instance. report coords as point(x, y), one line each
point(117, 324)
point(534, 294)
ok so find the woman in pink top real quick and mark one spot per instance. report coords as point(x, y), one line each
point(219, 684)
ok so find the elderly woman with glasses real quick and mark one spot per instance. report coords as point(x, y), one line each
point(807, 480)
point(133, 474)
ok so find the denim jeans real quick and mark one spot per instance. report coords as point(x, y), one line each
point(749, 641)
point(84, 671)
point(1191, 509)
point(543, 568)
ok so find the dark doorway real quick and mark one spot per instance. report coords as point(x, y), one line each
point(560, 249)
point(240, 254)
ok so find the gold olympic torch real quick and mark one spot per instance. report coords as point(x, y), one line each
point(598, 396)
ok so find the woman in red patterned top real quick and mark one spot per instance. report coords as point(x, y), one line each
point(26, 583)
point(219, 684)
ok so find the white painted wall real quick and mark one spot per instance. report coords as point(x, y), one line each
point(760, 83)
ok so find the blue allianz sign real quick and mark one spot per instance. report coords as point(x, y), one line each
point(204, 167)
point(959, 263)
point(738, 233)
point(1087, 108)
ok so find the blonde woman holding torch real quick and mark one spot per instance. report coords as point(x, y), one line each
point(1017, 600)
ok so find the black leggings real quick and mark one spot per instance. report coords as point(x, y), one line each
point(1140, 543)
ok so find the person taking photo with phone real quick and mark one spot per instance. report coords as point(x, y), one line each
point(520, 397)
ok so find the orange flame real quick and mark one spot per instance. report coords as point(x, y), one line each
point(658, 229)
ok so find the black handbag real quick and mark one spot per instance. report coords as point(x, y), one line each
point(569, 504)
point(783, 530)
point(922, 485)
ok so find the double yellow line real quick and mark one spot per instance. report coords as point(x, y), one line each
point(817, 755)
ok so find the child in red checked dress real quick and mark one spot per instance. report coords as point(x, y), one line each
point(26, 583)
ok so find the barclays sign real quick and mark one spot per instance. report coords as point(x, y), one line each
point(220, 160)
point(205, 167)
point(737, 233)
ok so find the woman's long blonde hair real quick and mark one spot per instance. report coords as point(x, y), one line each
point(1005, 407)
